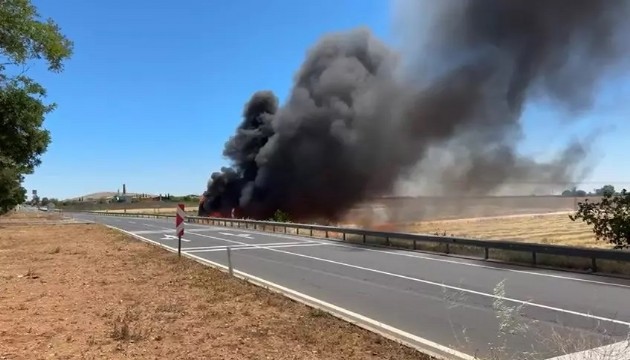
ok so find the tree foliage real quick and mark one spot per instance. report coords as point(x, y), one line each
point(610, 217)
point(11, 191)
point(280, 216)
point(24, 36)
point(22, 138)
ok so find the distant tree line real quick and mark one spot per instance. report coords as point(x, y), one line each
point(574, 192)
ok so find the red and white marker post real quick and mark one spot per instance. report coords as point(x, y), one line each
point(179, 227)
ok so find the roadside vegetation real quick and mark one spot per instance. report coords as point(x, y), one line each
point(139, 301)
point(609, 217)
point(24, 38)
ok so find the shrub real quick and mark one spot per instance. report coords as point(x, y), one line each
point(610, 217)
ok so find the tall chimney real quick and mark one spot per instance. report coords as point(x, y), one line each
point(124, 189)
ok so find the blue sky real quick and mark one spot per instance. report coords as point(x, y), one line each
point(156, 87)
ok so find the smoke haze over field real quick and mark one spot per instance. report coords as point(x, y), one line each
point(360, 116)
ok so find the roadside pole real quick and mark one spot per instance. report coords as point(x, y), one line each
point(179, 227)
point(229, 259)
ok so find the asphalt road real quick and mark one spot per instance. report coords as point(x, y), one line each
point(450, 301)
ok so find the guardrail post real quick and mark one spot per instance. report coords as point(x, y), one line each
point(364, 239)
point(344, 236)
point(534, 258)
point(326, 234)
point(594, 264)
point(285, 229)
point(387, 240)
point(486, 254)
point(311, 228)
point(448, 248)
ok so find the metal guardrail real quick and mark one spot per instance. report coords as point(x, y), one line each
point(414, 241)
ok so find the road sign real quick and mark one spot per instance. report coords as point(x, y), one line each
point(179, 220)
point(179, 227)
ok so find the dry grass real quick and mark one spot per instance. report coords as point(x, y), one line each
point(542, 228)
point(84, 291)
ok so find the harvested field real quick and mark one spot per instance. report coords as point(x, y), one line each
point(85, 291)
point(411, 209)
point(554, 228)
point(405, 209)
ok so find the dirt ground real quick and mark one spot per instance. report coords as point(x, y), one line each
point(84, 291)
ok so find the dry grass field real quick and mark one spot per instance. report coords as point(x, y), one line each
point(491, 218)
point(538, 219)
point(85, 291)
point(554, 228)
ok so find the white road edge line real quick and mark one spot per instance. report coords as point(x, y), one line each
point(450, 287)
point(616, 351)
point(425, 346)
point(407, 253)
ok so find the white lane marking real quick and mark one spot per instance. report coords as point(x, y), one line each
point(244, 243)
point(616, 351)
point(132, 222)
point(146, 232)
point(173, 237)
point(444, 260)
point(153, 226)
point(438, 258)
point(414, 341)
point(235, 248)
point(450, 287)
point(247, 236)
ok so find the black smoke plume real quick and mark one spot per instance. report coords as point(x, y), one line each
point(360, 115)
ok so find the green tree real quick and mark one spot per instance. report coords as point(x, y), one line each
point(45, 201)
point(606, 189)
point(11, 191)
point(580, 193)
point(24, 36)
point(280, 216)
point(610, 217)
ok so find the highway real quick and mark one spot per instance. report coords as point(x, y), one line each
point(443, 302)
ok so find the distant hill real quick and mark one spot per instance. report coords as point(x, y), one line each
point(104, 194)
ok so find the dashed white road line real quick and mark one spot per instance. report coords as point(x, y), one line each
point(238, 246)
point(253, 247)
point(439, 258)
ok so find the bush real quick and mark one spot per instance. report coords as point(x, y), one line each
point(280, 216)
point(610, 217)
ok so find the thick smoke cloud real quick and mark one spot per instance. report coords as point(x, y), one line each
point(360, 115)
